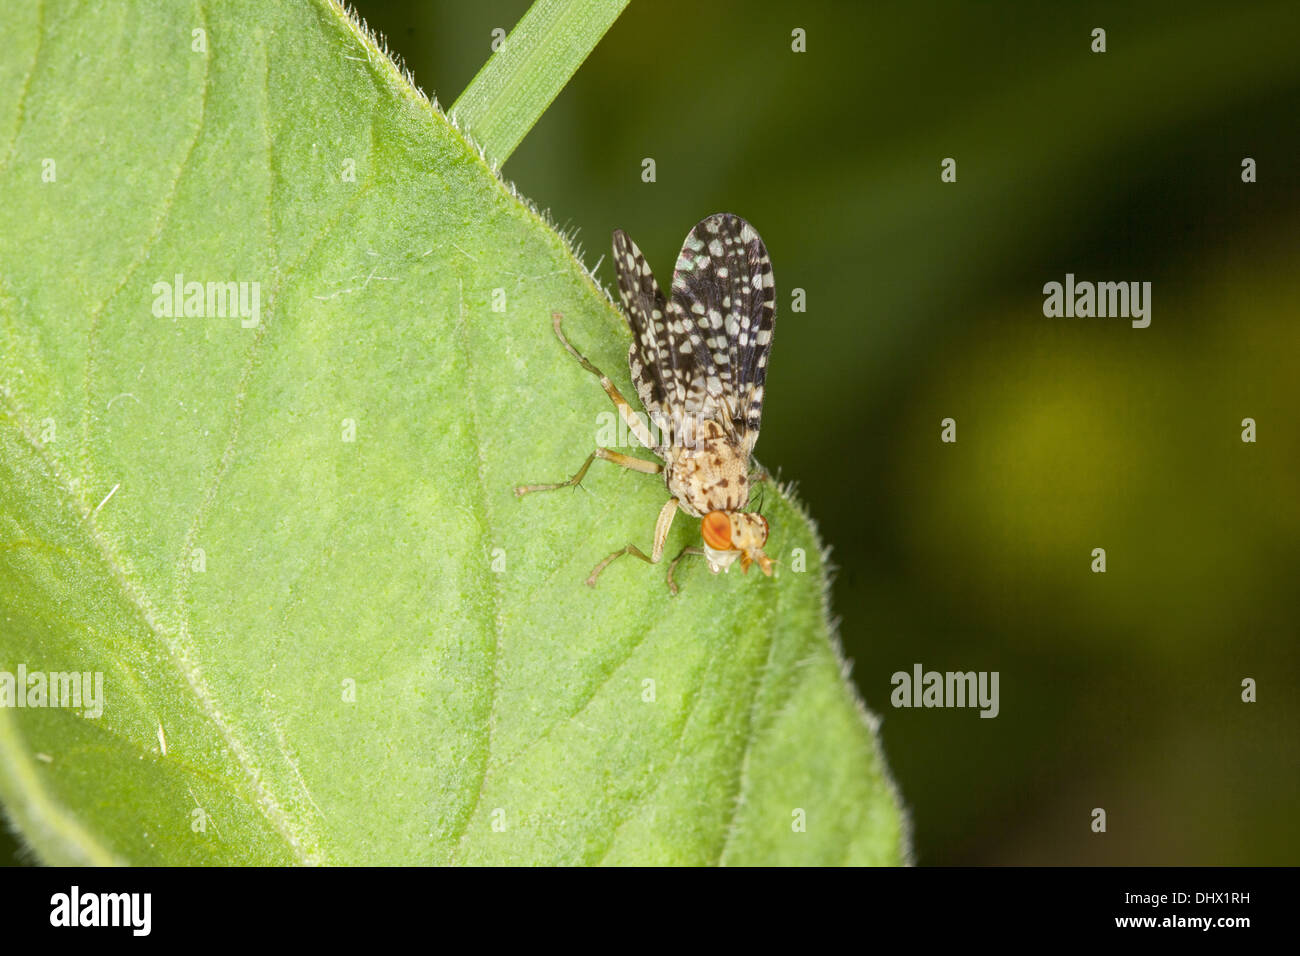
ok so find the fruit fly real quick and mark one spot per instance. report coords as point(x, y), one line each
point(698, 362)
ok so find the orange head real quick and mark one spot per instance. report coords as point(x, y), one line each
point(729, 535)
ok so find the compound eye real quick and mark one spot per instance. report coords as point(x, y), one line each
point(716, 529)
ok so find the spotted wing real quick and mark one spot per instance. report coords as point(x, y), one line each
point(724, 299)
point(653, 354)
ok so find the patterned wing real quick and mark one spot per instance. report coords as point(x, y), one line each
point(652, 352)
point(724, 300)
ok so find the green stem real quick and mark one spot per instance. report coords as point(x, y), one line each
point(527, 72)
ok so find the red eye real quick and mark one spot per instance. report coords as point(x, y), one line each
point(716, 528)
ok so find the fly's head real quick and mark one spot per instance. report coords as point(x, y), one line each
point(732, 535)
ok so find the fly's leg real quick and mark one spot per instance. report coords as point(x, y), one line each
point(618, 458)
point(642, 433)
point(630, 549)
point(661, 535)
point(672, 585)
point(634, 424)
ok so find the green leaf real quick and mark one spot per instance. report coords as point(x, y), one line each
point(514, 88)
point(328, 631)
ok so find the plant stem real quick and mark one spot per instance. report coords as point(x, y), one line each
point(527, 72)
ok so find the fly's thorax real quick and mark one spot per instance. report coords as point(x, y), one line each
point(710, 474)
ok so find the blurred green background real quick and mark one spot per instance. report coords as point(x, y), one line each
point(924, 301)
